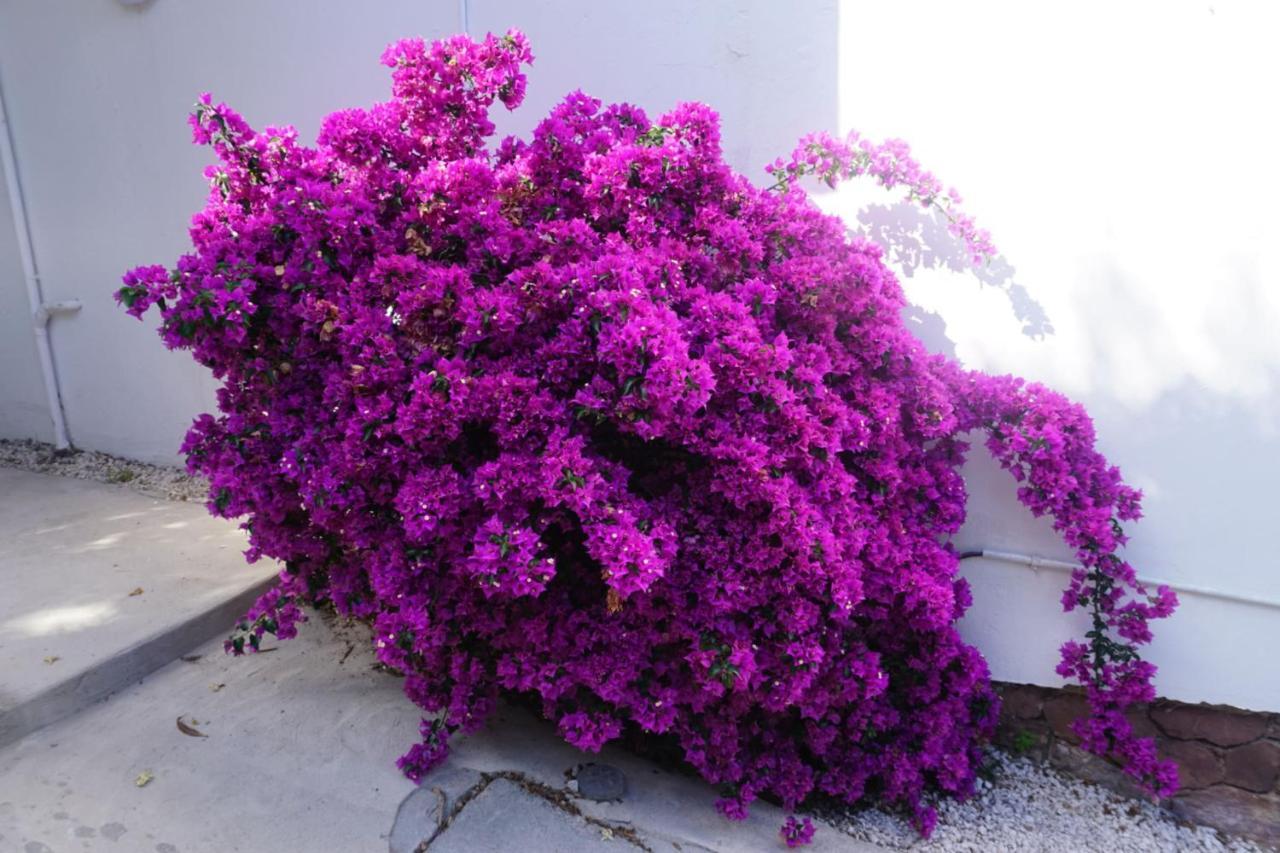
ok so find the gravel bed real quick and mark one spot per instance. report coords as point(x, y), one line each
point(1031, 808)
point(157, 481)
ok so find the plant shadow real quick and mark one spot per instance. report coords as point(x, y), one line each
point(915, 239)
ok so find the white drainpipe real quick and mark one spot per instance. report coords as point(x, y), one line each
point(1064, 566)
point(41, 311)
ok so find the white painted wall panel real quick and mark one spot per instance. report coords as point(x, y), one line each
point(24, 412)
point(1123, 155)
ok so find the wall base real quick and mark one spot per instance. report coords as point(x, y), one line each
point(1228, 759)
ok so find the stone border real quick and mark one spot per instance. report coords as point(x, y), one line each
point(1228, 759)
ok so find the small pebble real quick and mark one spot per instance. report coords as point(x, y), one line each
point(601, 782)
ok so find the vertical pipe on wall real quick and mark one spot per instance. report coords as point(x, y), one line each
point(464, 17)
point(40, 311)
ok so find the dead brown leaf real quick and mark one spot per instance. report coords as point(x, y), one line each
point(137, 590)
point(188, 730)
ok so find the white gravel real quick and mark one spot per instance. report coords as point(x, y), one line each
point(157, 481)
point(1031, 808)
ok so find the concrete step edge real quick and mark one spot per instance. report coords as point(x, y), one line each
point(128, 666)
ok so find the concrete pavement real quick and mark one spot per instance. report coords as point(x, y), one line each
point(109, 748)
point(101, 586)
point(295, 753)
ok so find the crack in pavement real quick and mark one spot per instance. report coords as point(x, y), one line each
point(559, 799)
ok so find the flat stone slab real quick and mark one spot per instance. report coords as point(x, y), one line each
point(102, 586)
point(426, 811)
point(667, 811)
point(504, 816)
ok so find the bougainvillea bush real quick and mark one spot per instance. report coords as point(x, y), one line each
point(591, 417)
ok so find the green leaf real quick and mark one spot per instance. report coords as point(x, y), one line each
point(129, 295)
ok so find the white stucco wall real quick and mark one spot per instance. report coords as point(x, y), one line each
point(97, 95)
point(23, 410)
point(1122, 156)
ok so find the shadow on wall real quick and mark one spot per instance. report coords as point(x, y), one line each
point(1183, 391)
point(914, 238)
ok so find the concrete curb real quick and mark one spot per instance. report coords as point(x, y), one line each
point(128, 667)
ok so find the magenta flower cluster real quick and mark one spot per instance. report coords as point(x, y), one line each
point(591, 417)
point(797, 833)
